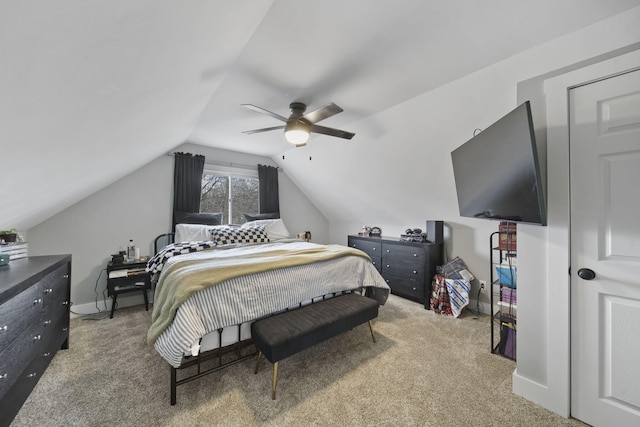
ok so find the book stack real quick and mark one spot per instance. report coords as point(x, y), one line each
point(15, 250)
point(508, 236)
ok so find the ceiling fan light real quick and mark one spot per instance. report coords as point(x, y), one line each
point(296, 133)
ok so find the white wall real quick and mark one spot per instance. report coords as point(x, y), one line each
point(138, 207)
point(397, 173)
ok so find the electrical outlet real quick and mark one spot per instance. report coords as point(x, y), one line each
point(483, 286)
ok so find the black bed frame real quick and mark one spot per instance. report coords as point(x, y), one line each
point(212, 360)
point(225, 357)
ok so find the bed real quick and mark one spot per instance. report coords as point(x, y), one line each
point(212, 282)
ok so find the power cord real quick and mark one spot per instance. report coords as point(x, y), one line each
point(477, 313)
point(95, 289)
point(100, 314)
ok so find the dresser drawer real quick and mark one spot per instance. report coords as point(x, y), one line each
point(19, 353)
point(370, 246)
point(25, 382)
point(406, 287)
point(55, 290)
point(398, 251)
point(402, 268)
point(18, 313)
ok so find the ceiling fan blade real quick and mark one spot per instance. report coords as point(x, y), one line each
point(322, 113)
point(263, 111)
point(249, 132)
point(331, 131)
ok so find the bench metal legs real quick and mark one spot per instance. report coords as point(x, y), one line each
point(258, 362)
point(371, 328)
point(274, 383)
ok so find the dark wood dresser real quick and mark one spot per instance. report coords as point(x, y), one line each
point(34, 324)
point(407, 267)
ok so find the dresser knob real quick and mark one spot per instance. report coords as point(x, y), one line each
point(66, 276)
point(388, 266)
point(414, 289)
point(388, 251)
point(4, 328)
point(47, 322)
point(374, 249)
point(47, 354)
point(387, 280)
point(3, 376)
point(37, 301)
point(373, 262)
point(354, 245)
point(415, 272)
point(48, 291)
point(65, 302)
point(31, 375)
point(415, 254)
point(65, 329)
point(37, 338)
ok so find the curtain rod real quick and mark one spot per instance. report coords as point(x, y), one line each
point(229, 164)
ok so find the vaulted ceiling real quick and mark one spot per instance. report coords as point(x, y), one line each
point(92, 90)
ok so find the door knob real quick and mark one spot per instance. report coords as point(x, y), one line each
point(586, 274)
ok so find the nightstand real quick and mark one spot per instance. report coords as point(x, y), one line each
point(127, 277)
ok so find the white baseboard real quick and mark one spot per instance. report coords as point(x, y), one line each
point(485, 307)
point(125, 300)
point(539, 394)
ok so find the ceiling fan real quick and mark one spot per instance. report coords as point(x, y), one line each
point(299, 125)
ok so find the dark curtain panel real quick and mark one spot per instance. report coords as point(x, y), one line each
point(269, 198)
point(187, 183)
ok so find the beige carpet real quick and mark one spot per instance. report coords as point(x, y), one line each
point(425, 370)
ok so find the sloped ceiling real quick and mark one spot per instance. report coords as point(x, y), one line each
point(92, 90)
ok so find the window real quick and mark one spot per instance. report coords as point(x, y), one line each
point(232, 191)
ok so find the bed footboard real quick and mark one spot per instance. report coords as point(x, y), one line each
point(211, 361)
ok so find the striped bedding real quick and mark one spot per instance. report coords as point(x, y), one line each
point(246, 298)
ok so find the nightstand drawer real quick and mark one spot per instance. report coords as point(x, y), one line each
point(391, 250)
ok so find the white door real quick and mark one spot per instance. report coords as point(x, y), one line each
point(605, 239)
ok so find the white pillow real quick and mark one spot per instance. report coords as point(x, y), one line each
point(194, 232)
point(275, 228)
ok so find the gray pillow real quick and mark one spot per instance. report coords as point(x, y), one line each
point(205, 218)
point(253, 217)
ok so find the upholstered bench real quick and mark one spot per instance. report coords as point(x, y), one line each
point(287, 333)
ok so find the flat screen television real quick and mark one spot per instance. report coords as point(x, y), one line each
point(497, 173)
